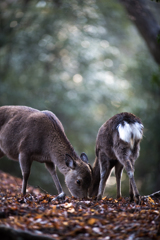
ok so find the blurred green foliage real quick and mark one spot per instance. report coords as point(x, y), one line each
point(84, 61)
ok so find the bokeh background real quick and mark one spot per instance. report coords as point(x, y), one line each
point(85, 61)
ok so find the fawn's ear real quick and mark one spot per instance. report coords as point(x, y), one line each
point(84, 157)
point(70, 162)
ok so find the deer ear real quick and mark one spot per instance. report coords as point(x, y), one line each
point(84, 158)
point(70, 162)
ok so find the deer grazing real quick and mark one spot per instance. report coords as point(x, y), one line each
point(28, 135)
point(117, 145)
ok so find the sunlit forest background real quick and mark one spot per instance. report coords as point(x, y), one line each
point(85, 61)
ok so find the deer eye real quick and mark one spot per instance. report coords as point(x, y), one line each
point(78, 182)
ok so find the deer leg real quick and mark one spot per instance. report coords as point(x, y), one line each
point(123, 154)
point(25, 166)
point(51, 168)
point(118, 173)
point(130, 172)
point(104, 174)
point(131, 192)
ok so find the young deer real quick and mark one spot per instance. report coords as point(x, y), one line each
point(28, 135)
point(117, 145)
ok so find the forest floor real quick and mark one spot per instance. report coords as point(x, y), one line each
point(36, 216)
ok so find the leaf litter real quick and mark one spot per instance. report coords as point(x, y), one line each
point(71, 218)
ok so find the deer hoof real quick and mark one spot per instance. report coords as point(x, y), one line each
point(61, 196)
point(131, 198)
point(99, 197)
point(138, 199)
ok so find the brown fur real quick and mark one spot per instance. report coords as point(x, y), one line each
point(111, 151)
point(27, 135)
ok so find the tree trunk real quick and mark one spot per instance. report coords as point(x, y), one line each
point(146, 24)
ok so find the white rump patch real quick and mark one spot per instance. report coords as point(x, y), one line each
point(130, 132)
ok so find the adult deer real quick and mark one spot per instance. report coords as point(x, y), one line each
point(28, 135)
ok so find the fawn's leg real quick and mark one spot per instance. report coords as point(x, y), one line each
point(133, 188)
point(131, 194)
point(124, 155)
point(118, 173)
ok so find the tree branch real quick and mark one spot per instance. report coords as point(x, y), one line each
point(146, 24)
point(155, 194)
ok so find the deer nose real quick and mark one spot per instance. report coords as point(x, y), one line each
point(86, 194)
